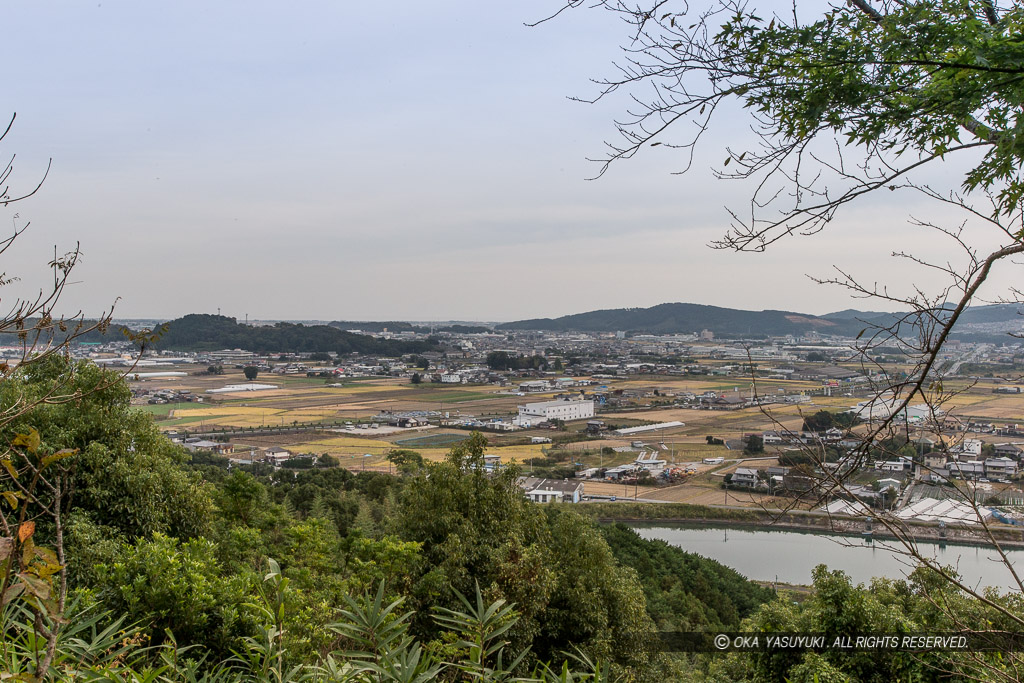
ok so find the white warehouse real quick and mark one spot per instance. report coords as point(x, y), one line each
point(535, 413)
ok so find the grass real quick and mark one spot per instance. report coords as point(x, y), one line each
point(157, 410)
point(432, 440)
point(451, 396)
point(654, 511)
point(183, 421)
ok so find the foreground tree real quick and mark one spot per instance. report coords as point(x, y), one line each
point(551, 563)
point(845, 100)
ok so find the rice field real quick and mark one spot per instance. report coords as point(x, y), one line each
point(310, 401)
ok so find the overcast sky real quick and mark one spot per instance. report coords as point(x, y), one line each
point(360, 161)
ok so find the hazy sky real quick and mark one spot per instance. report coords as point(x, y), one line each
point(327, 160)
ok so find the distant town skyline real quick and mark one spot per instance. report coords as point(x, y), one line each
point(354, 162)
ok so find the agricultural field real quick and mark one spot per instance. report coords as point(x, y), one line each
point(310, 401)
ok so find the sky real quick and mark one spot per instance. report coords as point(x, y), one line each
point(360, 161)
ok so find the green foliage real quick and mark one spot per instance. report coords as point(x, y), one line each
point(406, 461)
point(926, 603)
point(197, 332)
point(550, 562)
point(127, 475)
point(684, 591)
point(242, 499)
point(175, 586)
point(251, 372)
point(678, 318)
point(503, 360)
point(663, 511)
point(753, 444)
point(824, 420)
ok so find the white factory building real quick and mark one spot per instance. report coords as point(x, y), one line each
point(535, 413)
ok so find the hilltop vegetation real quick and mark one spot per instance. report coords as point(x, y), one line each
point(687, 319)
point(202, 332)
point(681, 318)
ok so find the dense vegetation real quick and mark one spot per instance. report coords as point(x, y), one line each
point(679, 318)
point(684, 591)
point(688, 318)
point(200, 332)
point(179, 568)
point(823, 420)
point(503, 360)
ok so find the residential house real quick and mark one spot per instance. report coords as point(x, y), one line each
point(744, 476)
point(276, 455)
point(1000, 468)
point(551, 490)
point(971, 469)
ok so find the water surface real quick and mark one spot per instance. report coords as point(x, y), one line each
point(789, 556)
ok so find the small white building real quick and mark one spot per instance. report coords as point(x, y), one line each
point(971, 447)
point(552, 490)
point(900, 464)
point(276, 455)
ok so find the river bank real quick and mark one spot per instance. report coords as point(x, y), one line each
point(798, 520)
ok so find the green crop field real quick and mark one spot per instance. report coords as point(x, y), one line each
point(432, 440)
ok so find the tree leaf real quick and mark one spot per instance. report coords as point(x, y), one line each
point(30, 441)
point(59, 455)
point(6, 462)
point(25, 530)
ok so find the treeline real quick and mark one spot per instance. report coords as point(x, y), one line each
point(503, 360)
point(202, 332)
point(678, 318)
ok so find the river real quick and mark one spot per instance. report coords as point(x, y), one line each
point(789, 556)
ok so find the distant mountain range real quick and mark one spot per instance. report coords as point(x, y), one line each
point(209, 332)
point(680, 318)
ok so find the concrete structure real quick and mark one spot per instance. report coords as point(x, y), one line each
point(535, 413)
point(626, 431)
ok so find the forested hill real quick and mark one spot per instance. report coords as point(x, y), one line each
point(679, 318)
point(690, 318)
point(200, 332)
